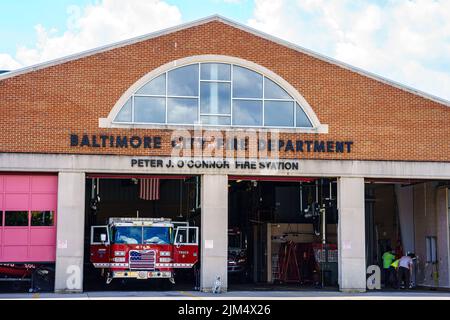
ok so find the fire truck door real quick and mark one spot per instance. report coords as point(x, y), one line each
point(185, 247)
point(100, 244)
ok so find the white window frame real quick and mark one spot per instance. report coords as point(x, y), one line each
point(431, 249)
point(107, 234)
point(317, 127)
point(188, 230)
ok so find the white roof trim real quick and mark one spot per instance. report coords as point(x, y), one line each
point(238, 26)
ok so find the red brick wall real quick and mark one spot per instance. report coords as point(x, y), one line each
point(39, 110)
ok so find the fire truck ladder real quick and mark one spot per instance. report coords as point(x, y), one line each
point(289, 270)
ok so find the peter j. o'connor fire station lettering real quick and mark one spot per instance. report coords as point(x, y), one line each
point(215, 164)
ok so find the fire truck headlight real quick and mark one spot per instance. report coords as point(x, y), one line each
point(119, 253)
point(119, 259)
point(164, 253)
point(165, 259)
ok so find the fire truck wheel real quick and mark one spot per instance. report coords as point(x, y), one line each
point(16, 286)
point(122, 283)
point(166, 285)
point(117, 285)
point(243, 277)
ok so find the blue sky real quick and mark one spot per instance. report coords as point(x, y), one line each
point(20, 16)
point(407, 41)
point(17, 25)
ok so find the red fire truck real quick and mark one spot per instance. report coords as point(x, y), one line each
point(237, 253)
point(143, 248)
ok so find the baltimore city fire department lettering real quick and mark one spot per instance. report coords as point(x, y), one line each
point(237, 144)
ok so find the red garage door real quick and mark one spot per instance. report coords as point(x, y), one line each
point(28, 218)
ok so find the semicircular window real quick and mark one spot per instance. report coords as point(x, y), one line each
point(216, 94)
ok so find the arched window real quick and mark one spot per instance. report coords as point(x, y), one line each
point(213, 94)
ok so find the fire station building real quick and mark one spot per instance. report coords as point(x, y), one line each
point(298, 168)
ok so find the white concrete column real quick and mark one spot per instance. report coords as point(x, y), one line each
point(443, 236)
point(351, 235)
point(70, 232)
point(405, 202)
point(214, 231)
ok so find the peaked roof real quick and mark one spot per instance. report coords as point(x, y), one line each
point(238, 26)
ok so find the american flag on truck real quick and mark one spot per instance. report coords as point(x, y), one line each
point(142, 259)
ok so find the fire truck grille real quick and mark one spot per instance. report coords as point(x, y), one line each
point(142, 259)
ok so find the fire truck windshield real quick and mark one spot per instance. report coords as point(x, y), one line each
point(157, 235)
point(142, 235)
point(234, 241)
point(127, 235)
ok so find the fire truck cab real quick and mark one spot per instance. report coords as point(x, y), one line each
point(143, 248)
point(237, 253)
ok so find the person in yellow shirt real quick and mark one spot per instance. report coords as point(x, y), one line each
point(388, 257)
point(394, 266)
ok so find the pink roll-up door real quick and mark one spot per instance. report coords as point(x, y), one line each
point(28, 218)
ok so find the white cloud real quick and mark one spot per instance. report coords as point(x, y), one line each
point(104, 22)
point(405, 40)
point(7, 62)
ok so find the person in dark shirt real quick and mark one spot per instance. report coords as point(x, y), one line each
point(405, 266)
